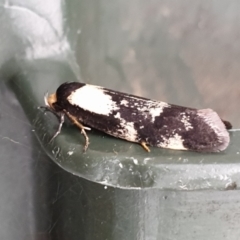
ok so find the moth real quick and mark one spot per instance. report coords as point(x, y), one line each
point(137, 119)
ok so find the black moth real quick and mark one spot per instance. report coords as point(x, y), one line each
point(137, 119)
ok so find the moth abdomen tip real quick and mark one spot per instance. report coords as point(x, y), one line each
point(227, 124)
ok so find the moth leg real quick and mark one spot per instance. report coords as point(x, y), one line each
point(48, 109)
point(61, 121)
point(144, 145)
point(79, 125)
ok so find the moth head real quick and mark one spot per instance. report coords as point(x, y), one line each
point(50, 100)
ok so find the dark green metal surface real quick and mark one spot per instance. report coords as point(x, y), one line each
point(111, 161)
point(182, 52)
